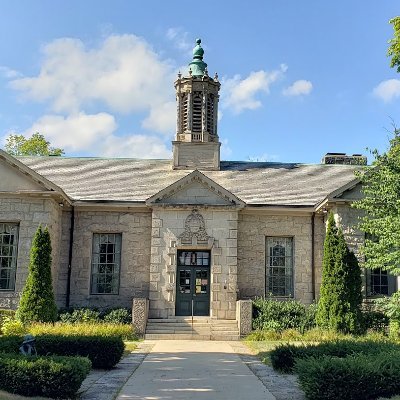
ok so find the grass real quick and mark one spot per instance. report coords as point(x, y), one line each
point(129, 347)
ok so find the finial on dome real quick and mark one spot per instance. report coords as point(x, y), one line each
point(198, 65)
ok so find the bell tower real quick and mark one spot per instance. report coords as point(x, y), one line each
point(197, 145)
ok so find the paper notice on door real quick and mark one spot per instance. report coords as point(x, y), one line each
point(198, 281)
point(187, 282)
point(198, 289)
point(204, 281)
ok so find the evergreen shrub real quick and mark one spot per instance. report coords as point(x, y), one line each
point(270, 314)
point(339, 306)
point(37, 301)
point(284, 357)
point(356, 377)
point(55, 377)
point(103, 352)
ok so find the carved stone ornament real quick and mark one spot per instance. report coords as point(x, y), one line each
point(194, 227)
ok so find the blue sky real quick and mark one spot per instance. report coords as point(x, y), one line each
point(299, 79)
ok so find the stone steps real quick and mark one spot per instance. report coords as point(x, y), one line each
point(202, 328)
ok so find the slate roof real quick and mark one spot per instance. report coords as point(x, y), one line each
point(133, 180)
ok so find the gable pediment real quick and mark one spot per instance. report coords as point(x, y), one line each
point(15, 176)
point(195, 189)
point(14, 180)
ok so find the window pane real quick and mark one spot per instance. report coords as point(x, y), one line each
point(378, 282)
point(279, 266)
point(8, 255)
point(106, 258)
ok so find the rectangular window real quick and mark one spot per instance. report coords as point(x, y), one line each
point(106, 263)
point(380, 282)
point(8, 255)
point(279, 267)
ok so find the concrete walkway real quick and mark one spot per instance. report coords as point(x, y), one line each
point(193, 370)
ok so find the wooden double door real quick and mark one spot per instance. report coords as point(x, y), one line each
point(193, 283)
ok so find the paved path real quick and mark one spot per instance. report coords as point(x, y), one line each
point(193, 370)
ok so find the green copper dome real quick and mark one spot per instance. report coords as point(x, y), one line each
point(198, 66)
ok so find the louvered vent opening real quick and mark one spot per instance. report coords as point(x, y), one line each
point(210, 114)
point(185, 108)
point(197, 100)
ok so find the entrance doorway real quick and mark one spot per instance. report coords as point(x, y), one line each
point(193, 283)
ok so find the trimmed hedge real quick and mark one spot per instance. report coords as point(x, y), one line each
point(103, 352)
point(57, 377)
point(357, 377)
point(284, 357)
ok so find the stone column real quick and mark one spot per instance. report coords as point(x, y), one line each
point(244, 317)
point(140, 310)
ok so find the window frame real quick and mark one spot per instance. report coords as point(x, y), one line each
point(291, 290)
point(93, 274)
point(14, 257)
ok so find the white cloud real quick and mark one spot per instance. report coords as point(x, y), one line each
point(240, 94)
point(180, 38)
point(95, 134)
point(8, 73)
point(387, 90)
point(123, 73)
point(226, 150)
point(136, 146)
point(77, 132)
point(162, 118)
point(298, 88)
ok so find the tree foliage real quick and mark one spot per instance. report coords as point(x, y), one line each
point(381, 206)
point(394, 44)
point(340, 297)
point(37, 145)
point(37, 302)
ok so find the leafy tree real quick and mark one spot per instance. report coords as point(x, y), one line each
point(381, 207)
point(394, 48)
point(37, 145)
point(37, 301)
point(340, 297)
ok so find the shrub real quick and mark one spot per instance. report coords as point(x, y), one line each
point(103, 352)
point(37, 301)
point(3, 314)
point(100, 329)
point(118, 316)
point(276, 315)
point(57, 377)
point(264, 335)
point(13, 326)
point(80, 315)
point(357, 377)
point(376, 321)
point(284, 357)
point(340, 301)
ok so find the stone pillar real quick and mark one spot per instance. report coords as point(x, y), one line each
point(140, 310)
point(244, 316)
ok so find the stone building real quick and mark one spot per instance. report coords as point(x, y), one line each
point(191, 234)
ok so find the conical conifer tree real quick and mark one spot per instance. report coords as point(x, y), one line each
point(340, 296)
point(37, 302)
